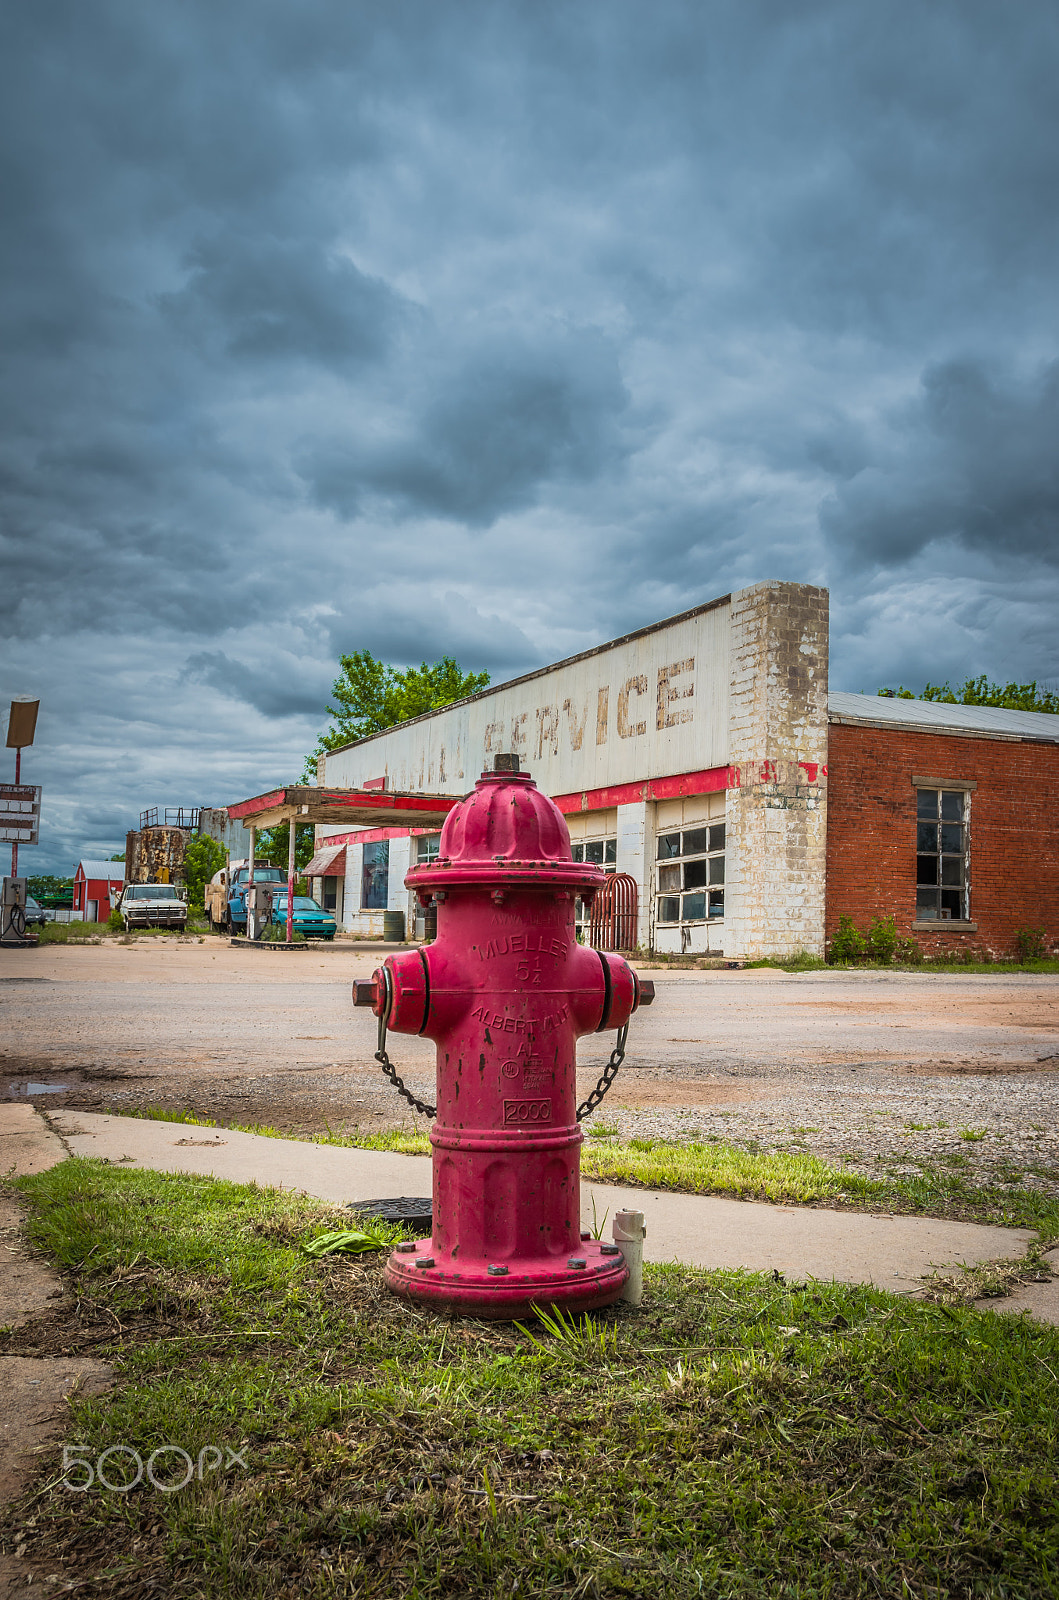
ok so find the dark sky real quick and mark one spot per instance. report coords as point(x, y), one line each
point(499, 329)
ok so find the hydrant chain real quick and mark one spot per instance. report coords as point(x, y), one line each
point(610, 1072)
point(383, 1059)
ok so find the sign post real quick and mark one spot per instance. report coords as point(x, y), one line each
point(19, 820)
point(23, 802)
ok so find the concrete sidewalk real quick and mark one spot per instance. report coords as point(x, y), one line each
point(892, 1252)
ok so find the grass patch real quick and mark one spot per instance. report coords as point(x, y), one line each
point(995, 968)
point(736, 1436)
point(72, 933)
point(800, 961)
point(803, 962)
point(791, 1177)
point(166, 1114)
point(97, 932)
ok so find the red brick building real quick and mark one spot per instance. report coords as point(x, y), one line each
point(945, 818)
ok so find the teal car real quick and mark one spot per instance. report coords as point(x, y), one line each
point(310, 918)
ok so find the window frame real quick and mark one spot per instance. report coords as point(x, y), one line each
point(939, 787)
point(375, 872)
point(712, 890)
point(578, 849)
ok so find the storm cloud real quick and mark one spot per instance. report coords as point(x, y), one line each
point(497, 330)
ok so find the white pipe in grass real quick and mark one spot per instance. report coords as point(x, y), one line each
point(630, 1231)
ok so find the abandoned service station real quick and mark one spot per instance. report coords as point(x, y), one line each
point(737, 805)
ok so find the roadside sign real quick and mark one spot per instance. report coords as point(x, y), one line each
point(19, 813)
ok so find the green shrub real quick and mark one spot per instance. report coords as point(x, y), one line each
point(276, 933)
point(847, 943)
point(909, 952)
point(1031, 944)
point(882, 940)
point(114, 921)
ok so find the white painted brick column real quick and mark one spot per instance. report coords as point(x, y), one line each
point(636, 844)
point(776, 809)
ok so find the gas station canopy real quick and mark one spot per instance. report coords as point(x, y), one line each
point(349, 808)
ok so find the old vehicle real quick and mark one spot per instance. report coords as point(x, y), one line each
point(225, 894)
point(34, 913)
point(309, 918)
point(152, 905)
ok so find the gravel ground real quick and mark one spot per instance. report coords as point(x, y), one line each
point(870, 1069)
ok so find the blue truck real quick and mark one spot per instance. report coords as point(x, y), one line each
point(225, 896)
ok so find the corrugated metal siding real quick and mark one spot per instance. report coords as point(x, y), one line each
point(936, 717)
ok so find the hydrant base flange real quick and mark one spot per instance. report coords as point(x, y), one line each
point(501, 1295)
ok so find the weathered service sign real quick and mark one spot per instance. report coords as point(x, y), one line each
point(649, 705)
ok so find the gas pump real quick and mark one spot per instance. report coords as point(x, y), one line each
point(13, 909)
point(258, 908)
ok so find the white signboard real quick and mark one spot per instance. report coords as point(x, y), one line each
point(647, 706)
point(19, 813)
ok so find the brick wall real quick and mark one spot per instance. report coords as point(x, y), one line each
point(1014, 833)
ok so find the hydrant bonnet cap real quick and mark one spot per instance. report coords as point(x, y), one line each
point(506, 830)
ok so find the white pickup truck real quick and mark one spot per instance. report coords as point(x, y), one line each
point(152, 905)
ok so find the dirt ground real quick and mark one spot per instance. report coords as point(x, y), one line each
point(861, 1067)
point(35, 1391)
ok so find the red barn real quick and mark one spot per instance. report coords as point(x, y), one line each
point(93, 882)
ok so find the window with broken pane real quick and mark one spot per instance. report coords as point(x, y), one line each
point(941, 855)
point(601, 853)
point(690, 875)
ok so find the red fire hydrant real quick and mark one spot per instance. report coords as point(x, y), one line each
point(505, 992)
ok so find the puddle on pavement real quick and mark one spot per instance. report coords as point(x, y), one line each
point(26, 1088)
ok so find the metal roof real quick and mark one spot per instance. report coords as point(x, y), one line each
point(934, 716)
point(102, 869)
point(328, 862)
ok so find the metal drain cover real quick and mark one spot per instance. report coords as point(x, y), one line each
point(413, 1211)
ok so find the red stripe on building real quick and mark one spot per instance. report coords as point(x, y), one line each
point(680, 784)
point(261, 802)
point(370, 835)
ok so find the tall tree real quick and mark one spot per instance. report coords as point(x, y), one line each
point(202, 858)
point(369, 695)
point(980, 692)
point(273, 844)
